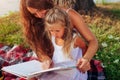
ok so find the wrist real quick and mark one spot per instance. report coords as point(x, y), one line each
point(87, 59)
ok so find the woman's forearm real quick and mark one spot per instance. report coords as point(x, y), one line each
point(92, 49)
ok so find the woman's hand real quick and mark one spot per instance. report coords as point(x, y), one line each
point(83, 65)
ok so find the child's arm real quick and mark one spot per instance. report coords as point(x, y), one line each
point(81, 44)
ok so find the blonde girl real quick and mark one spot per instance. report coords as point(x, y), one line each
point(67, 45)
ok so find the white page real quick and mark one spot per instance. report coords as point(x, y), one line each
point(33, 68)
point(23, 69)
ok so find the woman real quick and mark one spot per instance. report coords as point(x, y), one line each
point(32, 16)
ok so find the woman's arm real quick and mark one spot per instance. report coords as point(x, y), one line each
point(83, 63)
point(84, 31)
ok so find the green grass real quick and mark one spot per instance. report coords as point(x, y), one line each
point(10, 30)
point(116, 12)
point(109, 50)
point(114, 9)
point(105, 25)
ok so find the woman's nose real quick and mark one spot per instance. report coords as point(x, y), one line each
point(39, 15)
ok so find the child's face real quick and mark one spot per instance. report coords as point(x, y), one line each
point(56, 30)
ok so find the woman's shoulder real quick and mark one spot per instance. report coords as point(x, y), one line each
point(68, 9)
point(71, 12)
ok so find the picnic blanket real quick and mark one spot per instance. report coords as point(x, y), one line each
point(10, 55)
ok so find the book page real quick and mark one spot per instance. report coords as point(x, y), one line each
point(23, 69)
point(58, 66)
point(33, 68)
point(66, 64)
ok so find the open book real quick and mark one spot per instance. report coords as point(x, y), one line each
point(33, 68)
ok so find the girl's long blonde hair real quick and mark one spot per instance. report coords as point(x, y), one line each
point(56, 15)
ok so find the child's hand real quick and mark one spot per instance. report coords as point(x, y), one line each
point(46, 64)
point(83, 65)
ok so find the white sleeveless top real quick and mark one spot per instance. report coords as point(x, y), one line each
point(59, 56)
point(76, 53)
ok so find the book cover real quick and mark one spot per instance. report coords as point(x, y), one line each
point(33, 68)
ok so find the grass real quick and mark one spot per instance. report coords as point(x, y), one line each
point(105, 24)
point(10, 29)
